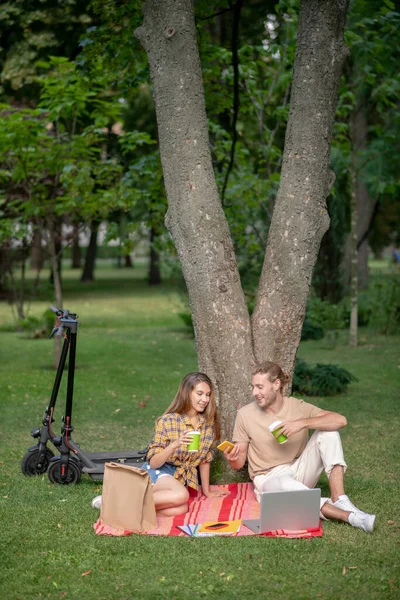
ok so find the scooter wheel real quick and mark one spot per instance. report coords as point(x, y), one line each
point(29, 464)
point(72, 475)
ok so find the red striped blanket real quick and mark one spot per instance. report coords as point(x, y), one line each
point(239, 504)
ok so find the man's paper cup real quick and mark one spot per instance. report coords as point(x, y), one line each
point(194, 445)
point(275, 429)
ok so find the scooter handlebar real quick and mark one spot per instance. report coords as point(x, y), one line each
point(58, 331)
point(59, 312)
point(63, 318)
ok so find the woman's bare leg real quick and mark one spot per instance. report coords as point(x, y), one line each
point(170, 497)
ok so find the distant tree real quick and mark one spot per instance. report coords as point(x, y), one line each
point(54, 162)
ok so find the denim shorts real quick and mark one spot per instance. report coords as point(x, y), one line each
point(155, 474)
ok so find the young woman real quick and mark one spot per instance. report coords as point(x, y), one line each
point(171, 467)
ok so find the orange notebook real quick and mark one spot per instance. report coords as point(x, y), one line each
point(219, 527)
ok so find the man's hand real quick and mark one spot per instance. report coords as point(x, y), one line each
point(232, 454)
point(289, 428)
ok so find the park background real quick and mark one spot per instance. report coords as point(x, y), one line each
point(80, 155)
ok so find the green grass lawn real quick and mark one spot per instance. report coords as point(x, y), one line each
point(133, 349)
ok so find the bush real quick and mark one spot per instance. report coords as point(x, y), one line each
point(311, 331)
point(38, 327)
point(186, 317)
point(326, 315)
point(384, 297)
point(29, 324)
point(364, 310)
point(322, 380)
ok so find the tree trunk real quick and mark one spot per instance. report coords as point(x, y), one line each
point(5, 293)
point(195, 219)
point(128, 261)
point(300, 217)
point(90, 259)
point(36, 251)
point(154, 267)
point(76, 249)
point(55, 224)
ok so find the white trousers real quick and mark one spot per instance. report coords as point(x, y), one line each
point(323, 452)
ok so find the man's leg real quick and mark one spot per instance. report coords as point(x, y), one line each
point(323, 452)
point(336, 482)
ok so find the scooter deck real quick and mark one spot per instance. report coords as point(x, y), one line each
point(128, 457)
point(101, 456)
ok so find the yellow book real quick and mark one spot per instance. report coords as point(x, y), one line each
point(219, 527)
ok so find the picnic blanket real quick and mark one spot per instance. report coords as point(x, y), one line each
point(241, 503)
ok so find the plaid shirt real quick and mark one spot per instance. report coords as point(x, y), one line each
point(169, 428)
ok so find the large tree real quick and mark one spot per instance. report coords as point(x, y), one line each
point(227, 340)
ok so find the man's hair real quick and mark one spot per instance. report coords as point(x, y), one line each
point(273, 371)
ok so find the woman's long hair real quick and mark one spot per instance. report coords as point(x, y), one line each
point(182, 404)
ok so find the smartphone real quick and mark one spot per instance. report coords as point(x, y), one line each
point(224, 445)
point(216, 526)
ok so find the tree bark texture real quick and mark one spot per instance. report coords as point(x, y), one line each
point(195, 218)
point(300, 216)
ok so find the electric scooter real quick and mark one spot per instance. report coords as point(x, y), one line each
point(73, 461)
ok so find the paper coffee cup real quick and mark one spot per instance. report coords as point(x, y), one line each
point(194, 445)
point(275, 429)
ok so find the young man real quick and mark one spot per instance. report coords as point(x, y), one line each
point(298, 463)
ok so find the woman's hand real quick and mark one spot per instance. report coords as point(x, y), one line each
point(183, 440)
point(216, 493)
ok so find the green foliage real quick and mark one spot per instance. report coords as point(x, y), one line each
point(328, 277)
point(384, 303)
point(30, 323)
point(323, 313)
point(311, 331)
point(265, 70)
point(321, 380)
point(37, 327)
point(29, 32)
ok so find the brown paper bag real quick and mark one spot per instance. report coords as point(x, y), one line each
point(127, 498)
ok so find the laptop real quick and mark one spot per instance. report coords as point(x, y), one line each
point(294, 510)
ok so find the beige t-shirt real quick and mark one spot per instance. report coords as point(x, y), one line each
point(264, 453)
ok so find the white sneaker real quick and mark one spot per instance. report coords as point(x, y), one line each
point(344, 503)
point(363, 521)
point(96, 502)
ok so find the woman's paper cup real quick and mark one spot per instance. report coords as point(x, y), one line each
point(275, 429)
point(194, 445)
